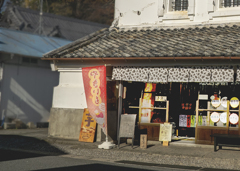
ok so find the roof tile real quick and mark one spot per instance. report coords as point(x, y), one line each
point(205, 41)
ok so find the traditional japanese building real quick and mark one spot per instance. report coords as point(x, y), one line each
point(183, 48)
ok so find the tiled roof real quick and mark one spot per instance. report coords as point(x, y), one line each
point(24, 19)
point(183, 42)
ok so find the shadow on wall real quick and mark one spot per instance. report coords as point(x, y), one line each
point(27, 92)
point(13, 147)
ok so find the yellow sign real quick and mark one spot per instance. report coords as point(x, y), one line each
point(234, 102)
point(88, 127)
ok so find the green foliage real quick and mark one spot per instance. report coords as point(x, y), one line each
point(101, 11)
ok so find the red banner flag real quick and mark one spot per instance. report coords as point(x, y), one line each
point(94, 80)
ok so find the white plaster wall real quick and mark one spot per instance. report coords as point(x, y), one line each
point(201, 10)
point(70, 91)
point(27, 92)
point(129, 11)
point(158, 13)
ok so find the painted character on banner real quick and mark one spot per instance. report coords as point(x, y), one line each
point(99, 114)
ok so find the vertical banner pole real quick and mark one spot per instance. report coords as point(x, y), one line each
point(120, 92)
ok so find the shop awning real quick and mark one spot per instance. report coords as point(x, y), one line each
point(175, 74)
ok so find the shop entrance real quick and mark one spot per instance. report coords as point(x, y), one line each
point(182, 101)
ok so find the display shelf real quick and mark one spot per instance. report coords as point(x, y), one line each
point(208, 129)
point(214, 110)
point(149, 124)
point(157, 108)
point(234, 110)
point(137, 107)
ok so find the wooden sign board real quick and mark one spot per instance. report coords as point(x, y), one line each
point(165, 132)
point(88, 127)
point(143, 141)
point(127, 125)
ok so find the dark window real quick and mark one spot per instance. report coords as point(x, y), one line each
point(236, 3)
point(231, 3)
point(34, 60)
point(29, 60)
point(180, 5)
point(25, 60)
point(227, 3)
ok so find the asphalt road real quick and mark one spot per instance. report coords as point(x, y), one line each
point(20, 160)
point(34, 150)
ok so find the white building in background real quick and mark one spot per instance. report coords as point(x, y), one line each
point(26, 82)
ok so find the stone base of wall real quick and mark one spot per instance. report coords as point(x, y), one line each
point(65, 123)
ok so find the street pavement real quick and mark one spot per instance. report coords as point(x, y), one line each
point(33, 162)
point(34, 145)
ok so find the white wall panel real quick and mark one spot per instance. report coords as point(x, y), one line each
point(27, 92)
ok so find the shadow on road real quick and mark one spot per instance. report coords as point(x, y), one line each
point(94, 167)
point(13, 147)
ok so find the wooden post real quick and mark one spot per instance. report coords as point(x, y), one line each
point(238, 120)
point(143, 141)
point(165, 143)
point(228, 112)
point(196, 128)
point(208, 114)
point(167, 109)
point(140, 110)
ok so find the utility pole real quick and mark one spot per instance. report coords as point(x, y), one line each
point(40, 25)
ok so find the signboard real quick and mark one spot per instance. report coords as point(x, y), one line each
point(216, 102)
point(143, 141)
point(234, 102)
point(160, 98)
point(193, 120)
point(224, 102)
point(165, 132)
point(146, 113)
point(233, 118)
point(94, 79)
point(182, 120)
point(127, 125)
point(223, 117)
point(88, 127)
point(188, 121)
point(203, 97)
point(215, 117)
